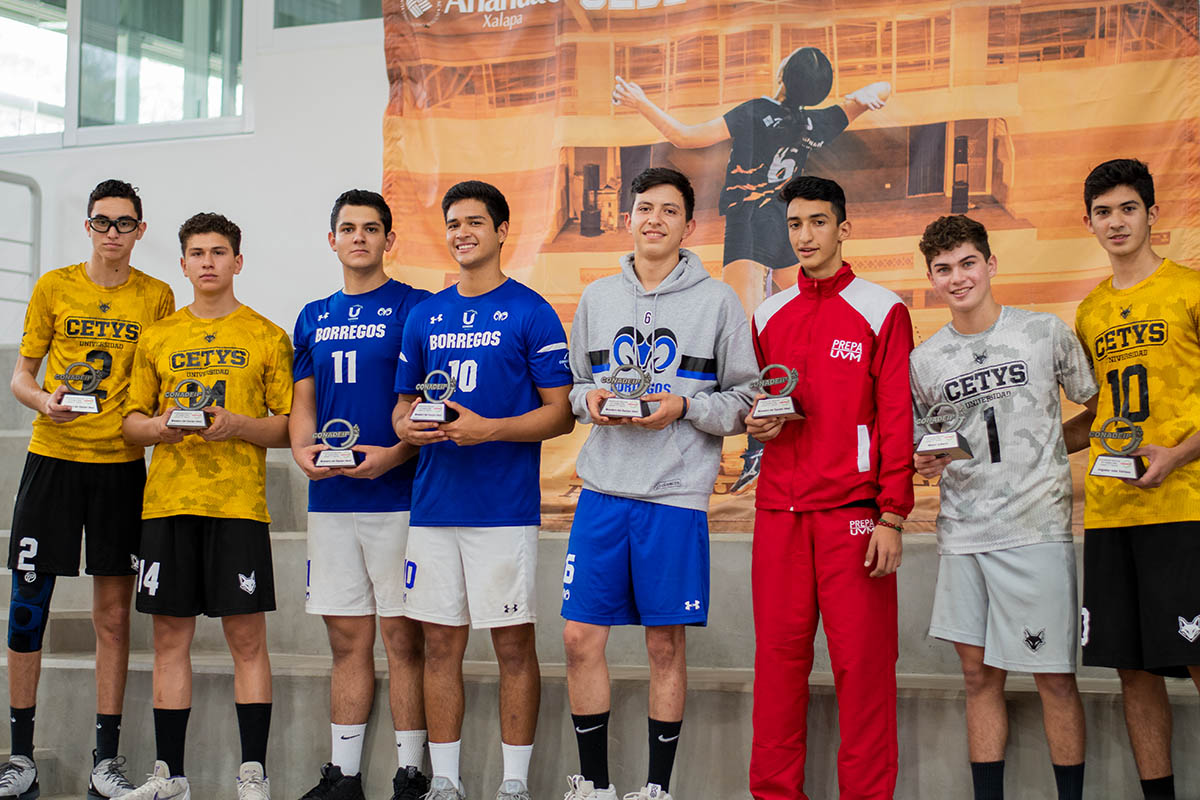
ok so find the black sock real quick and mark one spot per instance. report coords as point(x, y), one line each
point(1070, 781)
point(22, 730)
point(108, 735)
point(254, 724)
point(170, 730)
point(591, 734)
point(988, 777)
point(1159, 788)
point(664, 738)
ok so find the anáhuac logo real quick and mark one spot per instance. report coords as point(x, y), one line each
point(493, 14)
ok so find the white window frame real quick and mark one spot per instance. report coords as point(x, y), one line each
point(312, 37)
point(73, 135)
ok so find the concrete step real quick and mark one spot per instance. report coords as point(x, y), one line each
point(713, 752)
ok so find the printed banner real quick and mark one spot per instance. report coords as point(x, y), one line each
point(995, 110)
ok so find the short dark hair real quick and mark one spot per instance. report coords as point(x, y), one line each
point(658, 176)
point(362, 197)
point(485, 193)
point(1118, 172)
point(810, 187)
point(807, 77)
point(947, 233)
point(210, 222)
point(115, 188)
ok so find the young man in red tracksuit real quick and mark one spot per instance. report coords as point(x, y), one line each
point(834, 490)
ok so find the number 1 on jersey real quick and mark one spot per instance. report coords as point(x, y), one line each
point(351, 359)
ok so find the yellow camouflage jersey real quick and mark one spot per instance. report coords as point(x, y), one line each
point(1144, 344)
point(71, 319)
point(245, 360)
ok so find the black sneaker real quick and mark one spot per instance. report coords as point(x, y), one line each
point(752, 461)
point(336, 786)
point(409, 784)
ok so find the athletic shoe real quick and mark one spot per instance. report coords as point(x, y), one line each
point(409, 784)
point(251, 783)
point(161, 786)
point(586, 790)
point(443, 789)
point(752, 463)
point(108, 779)
point(513, 790)
point(651, 791)
point(336, 786)
point(18, 778)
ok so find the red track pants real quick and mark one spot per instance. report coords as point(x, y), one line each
point(808, 565)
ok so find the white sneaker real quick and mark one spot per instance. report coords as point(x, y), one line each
point(444, 789)
point(108, 779)
point(513, 790)
point(586, 790)
point(161, 786)
point(251, 783)
point(651, 791)
point(18, 779)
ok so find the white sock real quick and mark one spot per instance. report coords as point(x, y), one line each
point(516, 761)
point(347, 747)
point(410, 748)
point(443, 759)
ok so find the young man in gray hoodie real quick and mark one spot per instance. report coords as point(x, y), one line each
point(638, 553)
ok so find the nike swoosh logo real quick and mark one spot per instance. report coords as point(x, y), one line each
point(355, 736)
point(589, 730)
point(665, 740)
point(158, 796)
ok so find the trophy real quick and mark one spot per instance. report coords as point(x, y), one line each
point(80, 400)
point(947, 441)
point(340, 454)
point(437, 388)
point(776, 404)
point(190, 396)
point(1117, 463)
point(628, 402)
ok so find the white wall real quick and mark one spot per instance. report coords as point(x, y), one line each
point(319, 95)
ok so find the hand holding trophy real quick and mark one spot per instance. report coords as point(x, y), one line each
point(190, 396)
point(629, 382)
point(80, 400)
point(946, 441)
point(339, 454)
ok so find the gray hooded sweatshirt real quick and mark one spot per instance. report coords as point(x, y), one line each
point(692, 333)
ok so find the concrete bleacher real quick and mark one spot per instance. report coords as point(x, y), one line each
point(715, 745)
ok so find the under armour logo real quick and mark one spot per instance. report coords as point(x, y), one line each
point(980, 357)
point(1035, 641)
point(323, 316)
point(247, 584)
point(208, 337)
point(104, 307)
point(1125, 312)
point(511, 609)
point(1190, 630)
point(435, 319)
point(691, 605)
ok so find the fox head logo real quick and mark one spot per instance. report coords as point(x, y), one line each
point(1126, 311)
point(247, 584)
point(980, 357)
point(1035, 641)
point(1190, 630)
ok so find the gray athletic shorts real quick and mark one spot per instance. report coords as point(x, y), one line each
point(1020, 605)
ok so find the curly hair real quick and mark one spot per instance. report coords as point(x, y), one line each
point(947, 233)
point(210, 222)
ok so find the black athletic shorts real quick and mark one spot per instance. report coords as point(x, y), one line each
point(1141, 597)
point(759, 235)
point(58, 499)
point(190, 565)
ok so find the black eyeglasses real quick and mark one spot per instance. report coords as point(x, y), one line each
point(124, 224)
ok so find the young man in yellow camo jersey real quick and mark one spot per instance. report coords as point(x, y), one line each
point(205, 546)
point(1141, 598)
point(80, 473)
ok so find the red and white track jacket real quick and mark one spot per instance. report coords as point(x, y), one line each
point(849, 339)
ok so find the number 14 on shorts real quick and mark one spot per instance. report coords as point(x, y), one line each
point(147, 577)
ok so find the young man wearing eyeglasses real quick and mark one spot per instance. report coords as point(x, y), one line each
point(80, 473)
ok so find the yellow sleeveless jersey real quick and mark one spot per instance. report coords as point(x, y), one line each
point(1144, 343)
point(245, 360)
point(70, 319)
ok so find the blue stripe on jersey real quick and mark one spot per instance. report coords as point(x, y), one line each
point(696, 376)
point(348, 345)
point(500, 347)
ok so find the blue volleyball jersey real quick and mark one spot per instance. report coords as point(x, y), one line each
point(500, 348)
point(348, 344)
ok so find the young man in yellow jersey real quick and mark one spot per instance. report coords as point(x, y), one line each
point(205, 547)
point(80, 473)
point(1141, 599)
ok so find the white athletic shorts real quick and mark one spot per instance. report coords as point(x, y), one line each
point(356, 563)
point(483, 577)
point(1020, 605)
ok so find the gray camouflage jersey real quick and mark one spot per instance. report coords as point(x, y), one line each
point(1017, 488)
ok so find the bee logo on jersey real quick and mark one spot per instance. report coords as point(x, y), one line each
point(247, 584)
point(1190, 630)
point(1035, 641)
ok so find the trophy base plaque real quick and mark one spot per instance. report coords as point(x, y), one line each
point(428, 411)
point(624, 408)
point(337, 458)
point(950, 443)
point(771, 407)
point(81, 403)
point(187, 419)
point(1130, 467)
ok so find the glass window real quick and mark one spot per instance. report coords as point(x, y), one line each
point(291, 13)
point(159, 61)
point(33, 72)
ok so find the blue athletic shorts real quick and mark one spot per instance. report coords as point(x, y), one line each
point(630, 562)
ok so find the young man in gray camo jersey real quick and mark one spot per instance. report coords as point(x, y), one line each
point(1005, 591)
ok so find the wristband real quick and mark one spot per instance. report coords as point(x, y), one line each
point(898, 527)
point(686, 407)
